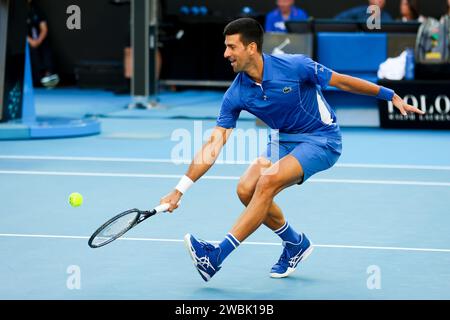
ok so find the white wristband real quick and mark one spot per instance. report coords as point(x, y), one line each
point(184, 184)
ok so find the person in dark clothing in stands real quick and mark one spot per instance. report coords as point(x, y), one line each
point(40, 52)
point(360, 13)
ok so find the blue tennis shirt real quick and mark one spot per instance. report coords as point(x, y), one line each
point(289, 99)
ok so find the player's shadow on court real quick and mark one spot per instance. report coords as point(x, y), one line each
point(299, 279)
point(272, 290)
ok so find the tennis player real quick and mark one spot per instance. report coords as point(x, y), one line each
point(285, 91)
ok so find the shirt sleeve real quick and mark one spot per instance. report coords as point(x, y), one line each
point(229, 112)
point(313, 72)
point(301, 14)
point(304, 15)
point(269, 25)
point(350, 14)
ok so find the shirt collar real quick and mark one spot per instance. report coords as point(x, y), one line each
point(267, 70)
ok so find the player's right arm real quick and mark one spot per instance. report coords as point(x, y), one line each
point(202, 162)
point(205, 158)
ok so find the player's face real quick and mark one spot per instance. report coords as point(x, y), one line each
point(236, 52)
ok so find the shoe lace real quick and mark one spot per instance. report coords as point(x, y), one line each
point(204, 261)
point(284, 259)
point(208, 246)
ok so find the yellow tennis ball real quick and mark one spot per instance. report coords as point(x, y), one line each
point(75, 199)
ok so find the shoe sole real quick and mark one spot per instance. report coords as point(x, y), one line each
point(303, 257)
point(187, 243)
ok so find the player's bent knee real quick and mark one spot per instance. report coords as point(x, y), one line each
point(263, 162)
point(245, 192)
point(267, 184)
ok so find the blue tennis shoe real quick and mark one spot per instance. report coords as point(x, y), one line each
point(204, 255)
point(291, 256)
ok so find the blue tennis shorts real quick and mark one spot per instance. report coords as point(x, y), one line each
point(314, 153)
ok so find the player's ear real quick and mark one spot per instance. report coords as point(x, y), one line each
point(253, 47)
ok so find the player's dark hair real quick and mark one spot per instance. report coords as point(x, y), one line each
point(249, 30)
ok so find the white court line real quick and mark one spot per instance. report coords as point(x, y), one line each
point(187, 161)
point(177, 176)
point(392, 166)
point(107, 174)
point(384, 182)
point(48, 236)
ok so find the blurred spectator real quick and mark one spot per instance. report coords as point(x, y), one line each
point(360, 13)
point(447, 10)
point(128, 50)
point(286, 11)
point(40, 52)
point(409, 11)
point(128, 63)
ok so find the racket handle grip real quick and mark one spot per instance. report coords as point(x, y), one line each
point(162, 207)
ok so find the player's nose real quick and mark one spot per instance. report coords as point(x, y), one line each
point(226, 54)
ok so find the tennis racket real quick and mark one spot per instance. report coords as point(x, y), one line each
point(117, 226)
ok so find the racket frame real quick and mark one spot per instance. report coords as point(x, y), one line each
point(140, 217)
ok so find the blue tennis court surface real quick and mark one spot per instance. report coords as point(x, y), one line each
point(379, 219)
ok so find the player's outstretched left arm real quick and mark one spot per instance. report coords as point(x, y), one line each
point(359, 86)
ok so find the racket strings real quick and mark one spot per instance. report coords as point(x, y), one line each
point(115, 228)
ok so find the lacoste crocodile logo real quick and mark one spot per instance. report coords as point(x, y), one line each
point(287, 89)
